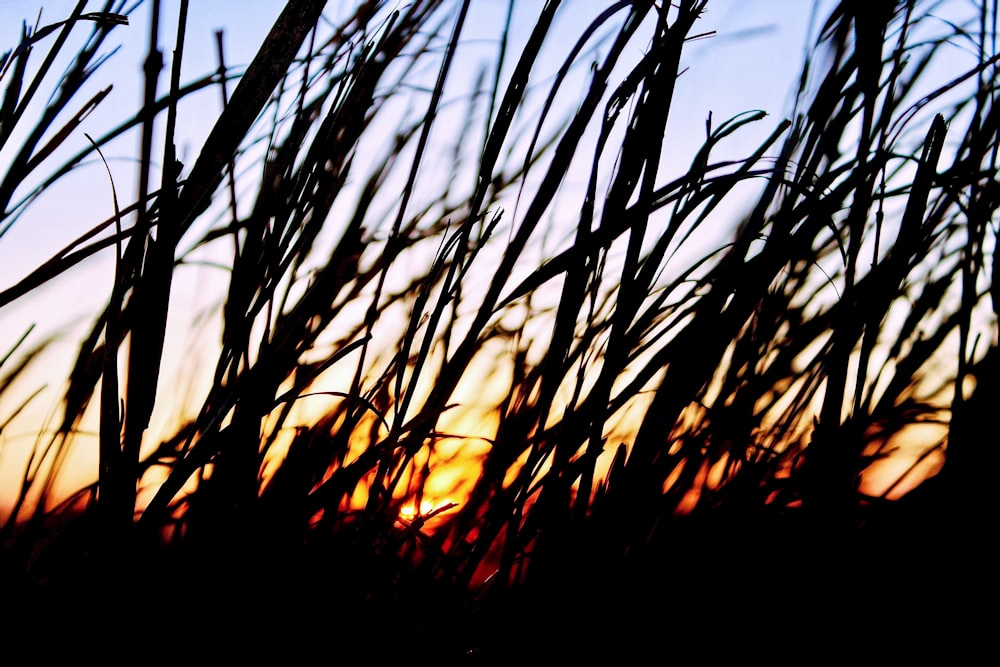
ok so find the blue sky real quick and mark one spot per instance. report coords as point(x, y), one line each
point(751, 63)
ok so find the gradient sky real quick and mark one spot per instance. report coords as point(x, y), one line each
point(752, 62)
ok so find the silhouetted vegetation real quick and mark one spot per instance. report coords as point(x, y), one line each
point(658, 435)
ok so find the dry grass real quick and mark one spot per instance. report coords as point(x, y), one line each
point(680, 432)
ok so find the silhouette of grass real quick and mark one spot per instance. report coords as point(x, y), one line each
point(678, 439)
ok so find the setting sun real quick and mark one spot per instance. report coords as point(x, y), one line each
point(469, 332)
point(428, 509)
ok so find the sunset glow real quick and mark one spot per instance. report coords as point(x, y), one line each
point(468, 332)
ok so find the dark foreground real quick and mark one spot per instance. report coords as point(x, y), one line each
point(911, 580)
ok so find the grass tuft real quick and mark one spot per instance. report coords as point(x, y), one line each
point(479, 361)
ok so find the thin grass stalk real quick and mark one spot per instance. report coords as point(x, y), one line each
point(431, 114)
point(73, 80)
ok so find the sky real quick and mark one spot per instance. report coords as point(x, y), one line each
point(751, 62)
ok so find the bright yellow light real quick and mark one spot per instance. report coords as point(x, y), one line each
point(428, 508)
